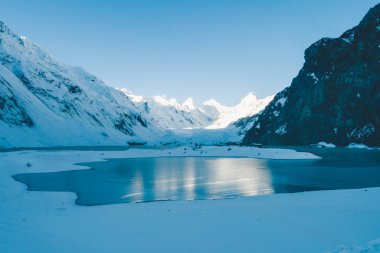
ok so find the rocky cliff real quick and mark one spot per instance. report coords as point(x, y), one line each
point(334, 98)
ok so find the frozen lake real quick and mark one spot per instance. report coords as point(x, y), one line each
point(195, 178)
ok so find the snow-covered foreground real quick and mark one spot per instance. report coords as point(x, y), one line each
point(302, 222)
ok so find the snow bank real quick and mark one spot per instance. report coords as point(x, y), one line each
point(215, 151)
point(50, 222)
point(327, 145)
point(355, 145)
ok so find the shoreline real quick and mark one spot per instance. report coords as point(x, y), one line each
point(292, 222)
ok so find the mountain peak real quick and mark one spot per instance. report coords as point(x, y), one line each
point(189, 103)
point(212, 102)
point(4, 29)
point(163, 100)
point(372, 16)
point(135, 98)
point(248, 99)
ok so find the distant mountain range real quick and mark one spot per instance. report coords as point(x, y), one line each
point(334, 98)
point(170, 114)
point(44, 102)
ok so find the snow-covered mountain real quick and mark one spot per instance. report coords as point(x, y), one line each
point(44, 102)
point(170, 114)
point(248, 106)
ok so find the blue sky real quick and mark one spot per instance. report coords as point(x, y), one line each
point(199, 48)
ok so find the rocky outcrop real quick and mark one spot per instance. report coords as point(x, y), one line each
point(334, 98)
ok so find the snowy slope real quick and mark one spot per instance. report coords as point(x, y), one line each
point(248, 106)
point(44, 102)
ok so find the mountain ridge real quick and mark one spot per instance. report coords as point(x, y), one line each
point(171, 114)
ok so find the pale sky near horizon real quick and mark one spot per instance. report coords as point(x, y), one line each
point(219, 49)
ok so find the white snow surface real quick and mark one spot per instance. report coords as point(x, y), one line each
point(281, 130)
point(313, 76)
point(327, 145)
point(248, 106)
point(358, 145)
point(372, 246)
point(326, 221)
point(281, 101)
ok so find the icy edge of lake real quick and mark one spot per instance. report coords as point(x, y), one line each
point(302, 222)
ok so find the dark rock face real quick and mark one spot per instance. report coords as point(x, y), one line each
point(335, 97)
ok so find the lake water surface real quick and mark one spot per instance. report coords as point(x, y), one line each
point(194, 178)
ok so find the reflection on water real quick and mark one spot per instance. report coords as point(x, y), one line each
point(189, 178)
